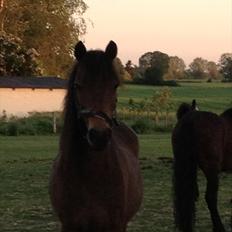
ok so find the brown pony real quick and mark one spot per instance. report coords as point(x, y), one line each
point(96, 183)
point(200, 139)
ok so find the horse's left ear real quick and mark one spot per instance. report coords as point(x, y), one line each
point(80, 50)
point(111, 50)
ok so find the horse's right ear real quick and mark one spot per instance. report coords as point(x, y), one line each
point(80, 50)
point(194, 105)
point(111, 50)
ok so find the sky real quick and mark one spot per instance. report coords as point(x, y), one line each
point(184, 28)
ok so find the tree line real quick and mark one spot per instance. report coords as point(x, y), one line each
point(37, 38)
point(159, 68)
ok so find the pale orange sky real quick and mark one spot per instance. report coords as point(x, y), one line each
point(186, 28)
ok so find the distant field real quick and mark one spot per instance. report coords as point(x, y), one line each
point(214, 97)
point(25, 164)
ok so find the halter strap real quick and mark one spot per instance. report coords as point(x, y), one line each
point(97, 114)
point(85, 112)
point(82, 111)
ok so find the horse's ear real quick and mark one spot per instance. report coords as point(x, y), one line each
point(80, 50)
point(194, 105)
point(111, 50)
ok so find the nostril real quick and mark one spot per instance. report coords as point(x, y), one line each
point(99, 138)
point(92, 134)
point(97, 134)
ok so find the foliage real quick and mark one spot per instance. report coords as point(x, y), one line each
point(176, 69)
point(120, 69)
point(158, 106)
point(212, 70)
point(157, 68)
point(33, 125)
point(130, 69)
point(198, 68)
point(145, 60)
point(52, 28)
point(226, 66)
point(143, 126)
point(161, 102)
point(16, 59)
point(159, 64)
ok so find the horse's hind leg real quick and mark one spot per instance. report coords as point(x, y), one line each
point(211, 199)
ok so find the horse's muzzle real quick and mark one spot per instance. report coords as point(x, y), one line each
point(98, 139)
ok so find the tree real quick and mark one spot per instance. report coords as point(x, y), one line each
point(145, 60)
point(123, 74)
point(159, 64)
point(226, 66)
point(176, 69)
point(130, 69)
point(2, 14)
point(52, 28)
point(15, 59)
point(198, 68)
point(212, 70)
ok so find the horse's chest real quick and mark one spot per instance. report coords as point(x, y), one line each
point(95, 184)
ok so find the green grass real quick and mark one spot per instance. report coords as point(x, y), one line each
point(25, 164)
point(214, 97)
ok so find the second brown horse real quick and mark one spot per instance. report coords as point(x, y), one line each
point(200, 139)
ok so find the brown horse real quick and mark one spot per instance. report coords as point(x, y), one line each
point(200, 139)
point(96, 183)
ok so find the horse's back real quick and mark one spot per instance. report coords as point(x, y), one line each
point(200, 134)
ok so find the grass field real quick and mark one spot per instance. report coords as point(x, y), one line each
point(25, 164)
point(214, 97)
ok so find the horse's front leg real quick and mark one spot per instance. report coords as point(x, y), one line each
point(211, 199)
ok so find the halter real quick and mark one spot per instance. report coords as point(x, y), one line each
point(83, 112)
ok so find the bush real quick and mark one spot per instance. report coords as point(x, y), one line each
point(43, 126)
point(12, 129)
point(143, 125)
point(3, 128)
point(32, 125)
point(26, 128)
point(146, 126)
point(163, 128)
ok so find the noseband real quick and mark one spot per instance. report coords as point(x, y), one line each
point(83, 112)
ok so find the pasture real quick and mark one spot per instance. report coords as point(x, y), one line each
point(25, 164)
point(214, 96)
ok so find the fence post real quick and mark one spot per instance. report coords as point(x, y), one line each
point(54, 122)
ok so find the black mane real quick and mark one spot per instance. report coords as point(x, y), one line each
point(227, 113)
point(183, 109)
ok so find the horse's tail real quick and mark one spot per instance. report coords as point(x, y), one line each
point(185, 190)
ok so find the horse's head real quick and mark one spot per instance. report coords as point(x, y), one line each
point(94, 84)
point(184, 108)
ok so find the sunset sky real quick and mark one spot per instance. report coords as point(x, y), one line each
point(186, 28)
